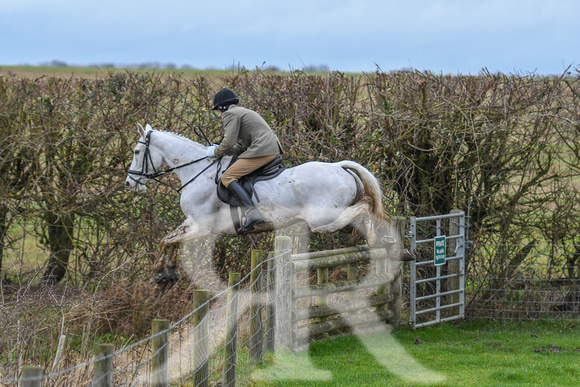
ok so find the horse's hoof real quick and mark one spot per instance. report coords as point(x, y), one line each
point(406, 256)
point(388, 240)
point(166, 286)
point(166, 276)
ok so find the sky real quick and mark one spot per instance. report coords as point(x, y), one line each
point(440, 36)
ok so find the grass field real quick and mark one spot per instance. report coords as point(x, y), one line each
point(464, 354)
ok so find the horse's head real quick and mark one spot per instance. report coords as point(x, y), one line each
point(144, 164)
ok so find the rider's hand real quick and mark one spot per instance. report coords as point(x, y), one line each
point(210, 152)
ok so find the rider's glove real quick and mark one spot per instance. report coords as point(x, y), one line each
point(210, 152)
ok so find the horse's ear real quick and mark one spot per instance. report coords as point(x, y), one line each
point(148, 127)
point(140, 130)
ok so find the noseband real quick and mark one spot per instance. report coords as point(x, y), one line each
point(147, 159)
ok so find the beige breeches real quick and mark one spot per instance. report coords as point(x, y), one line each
point(242, 167)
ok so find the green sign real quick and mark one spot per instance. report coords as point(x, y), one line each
point(440, 250)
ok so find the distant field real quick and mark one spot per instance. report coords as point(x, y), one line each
point(95, 72)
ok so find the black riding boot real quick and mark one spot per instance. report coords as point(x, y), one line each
point(251, 215)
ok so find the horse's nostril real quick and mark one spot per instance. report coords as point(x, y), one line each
point(127, 184)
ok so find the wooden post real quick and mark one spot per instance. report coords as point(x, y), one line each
point(271, 305)
point(283, 251)
point(396, 269)
point(322, 279)
point(31, 376)
point(453, 265)
point(352, 275)
point(201, 337)
point(231, 331)
point(381, 269)
point(103, 368)
point(256, 330)
point(160, 342)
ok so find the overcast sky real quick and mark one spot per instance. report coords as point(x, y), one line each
point(442, 36)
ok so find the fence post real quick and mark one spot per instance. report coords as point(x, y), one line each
point(103, 368)
point(271, 304)
point(352, 275)
point(256, 330)
point(201, 337)
point(396, 269)
point(231, 331)
point(322, 279)
point(381, 269)
point(159, 372)
point(283, 250)
point(31, 376)
point(453, 265)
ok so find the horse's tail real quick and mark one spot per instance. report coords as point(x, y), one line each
point(371, 185)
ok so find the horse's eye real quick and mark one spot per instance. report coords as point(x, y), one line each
point(136, 152)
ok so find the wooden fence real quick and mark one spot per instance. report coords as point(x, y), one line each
point(334, 308)
point(283, 323)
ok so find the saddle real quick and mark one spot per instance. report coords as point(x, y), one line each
point(267, 172)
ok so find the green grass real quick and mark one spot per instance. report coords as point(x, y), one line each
point(465, 354)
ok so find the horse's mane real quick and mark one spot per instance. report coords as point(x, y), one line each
point(179, 136)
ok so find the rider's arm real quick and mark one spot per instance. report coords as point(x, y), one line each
point(231, 131)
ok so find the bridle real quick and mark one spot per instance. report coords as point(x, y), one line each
point(148, 160)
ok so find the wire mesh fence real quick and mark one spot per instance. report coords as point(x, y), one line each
point(543, 284)
point(190, 344)
point(516, 282)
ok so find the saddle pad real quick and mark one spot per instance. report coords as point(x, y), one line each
point(267, 172)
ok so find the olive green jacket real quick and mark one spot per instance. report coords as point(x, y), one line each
point(247, 134)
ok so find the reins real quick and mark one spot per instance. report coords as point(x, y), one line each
point(147, 159)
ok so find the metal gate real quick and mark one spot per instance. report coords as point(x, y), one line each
point(437, 288)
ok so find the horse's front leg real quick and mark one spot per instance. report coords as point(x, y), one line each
point(165, 267)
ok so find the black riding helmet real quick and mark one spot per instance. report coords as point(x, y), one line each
point(224, 98)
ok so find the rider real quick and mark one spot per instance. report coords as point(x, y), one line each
point(249, 136)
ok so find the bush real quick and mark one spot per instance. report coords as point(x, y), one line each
point(502, 145)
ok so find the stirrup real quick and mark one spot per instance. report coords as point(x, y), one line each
point(252, 219)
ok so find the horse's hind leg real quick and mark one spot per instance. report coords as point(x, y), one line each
point(384, 234)
point(359, 216)
point(346, 218)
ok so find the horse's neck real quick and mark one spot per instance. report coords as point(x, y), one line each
point(177, 151)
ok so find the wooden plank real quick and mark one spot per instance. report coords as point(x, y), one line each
point(305, 333)
point(339, 259)
point(340, 307)
point(326, 253)
point(342, 286)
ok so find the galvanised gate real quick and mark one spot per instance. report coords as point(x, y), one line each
point(437, 285)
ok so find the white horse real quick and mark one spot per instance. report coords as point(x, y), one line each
point(326, 196)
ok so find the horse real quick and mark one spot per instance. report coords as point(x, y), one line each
point(326, 196)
